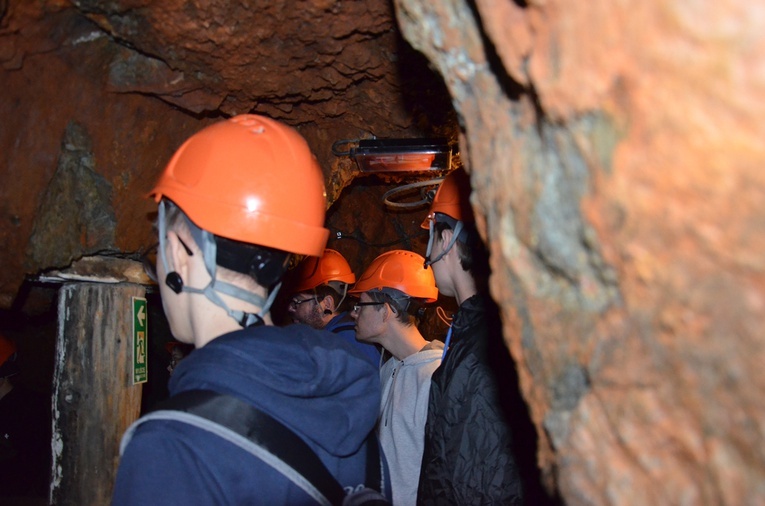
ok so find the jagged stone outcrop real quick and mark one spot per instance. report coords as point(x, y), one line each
point(75, 213)
point(615, 153)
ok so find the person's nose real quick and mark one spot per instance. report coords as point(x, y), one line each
point(355, 315)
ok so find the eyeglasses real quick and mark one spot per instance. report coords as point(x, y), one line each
point(294, 303)
point(357, 307)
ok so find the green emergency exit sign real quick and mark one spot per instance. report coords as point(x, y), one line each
point(140, 337)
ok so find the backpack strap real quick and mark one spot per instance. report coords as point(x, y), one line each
point(263, 436)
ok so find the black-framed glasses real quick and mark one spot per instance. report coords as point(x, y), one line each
point(357, 307)
point(294, 303)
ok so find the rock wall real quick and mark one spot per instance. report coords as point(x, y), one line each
point(138, 77)
point(615, 151)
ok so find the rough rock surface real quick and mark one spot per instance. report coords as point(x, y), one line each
point(615, 150)
point(616, 155)
point(75, 213)
point(141, 76)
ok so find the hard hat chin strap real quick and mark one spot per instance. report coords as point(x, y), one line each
point(431, 239)
point(339, 286)
point(206, 242)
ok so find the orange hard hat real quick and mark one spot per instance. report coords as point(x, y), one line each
point(7, 349)
point(452, 199)
point(315, 271)
point(251, 179)
point(401, 270)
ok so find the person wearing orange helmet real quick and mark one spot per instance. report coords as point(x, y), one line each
point(319, 298)
point(469, 455)
point(391, 293)
point(235, 201)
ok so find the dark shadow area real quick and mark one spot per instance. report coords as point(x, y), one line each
point(26, 410)
point(512, 89)
point(425, 94)
point(155, 388)
point(503, 367)
point(516, 411)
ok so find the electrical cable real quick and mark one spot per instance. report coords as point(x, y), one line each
point(441, 313)
point(336, 150)
point(425, 198)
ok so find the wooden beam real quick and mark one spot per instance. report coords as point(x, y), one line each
point(94, 399)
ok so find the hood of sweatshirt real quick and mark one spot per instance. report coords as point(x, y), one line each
point(316, 384)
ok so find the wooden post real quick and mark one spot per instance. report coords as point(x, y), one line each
point(94, 399)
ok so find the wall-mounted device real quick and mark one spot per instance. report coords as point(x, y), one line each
point(399, 155)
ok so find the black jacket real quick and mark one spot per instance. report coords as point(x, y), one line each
point(468, 456)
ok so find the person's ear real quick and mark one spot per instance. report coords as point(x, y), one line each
point(389, 311)
point(328, 303)
point(178, 252)
point(446, 237)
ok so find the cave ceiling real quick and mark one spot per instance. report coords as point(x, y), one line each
point(159, 70)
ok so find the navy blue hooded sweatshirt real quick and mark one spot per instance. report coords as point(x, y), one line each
point(319, 386)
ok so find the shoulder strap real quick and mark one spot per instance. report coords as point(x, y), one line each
point(227, 434)
point(263, 436)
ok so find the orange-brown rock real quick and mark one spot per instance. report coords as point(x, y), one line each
point(616, 155)
point(615, 151)
point(138, 77)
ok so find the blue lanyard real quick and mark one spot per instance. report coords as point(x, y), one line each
point(446, 343)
